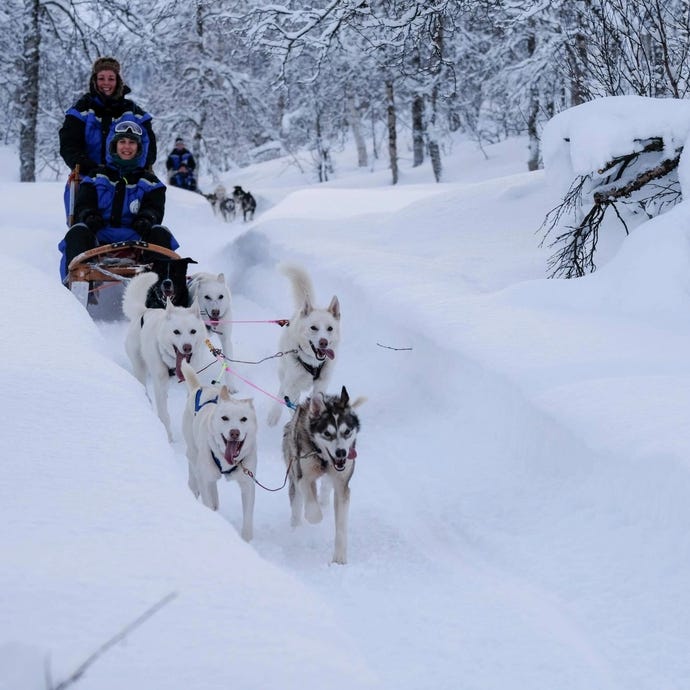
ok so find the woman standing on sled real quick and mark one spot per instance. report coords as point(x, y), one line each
point(121, 201)
point(87, 123)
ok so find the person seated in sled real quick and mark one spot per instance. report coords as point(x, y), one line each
point(121, 201)
point(88, 122)
point(181, 165)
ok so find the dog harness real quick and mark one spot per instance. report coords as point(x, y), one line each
point(197, 398)
point(314, 371)
point(220, 469)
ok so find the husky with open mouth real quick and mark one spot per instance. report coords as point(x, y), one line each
point(159, 340)
point(319, 444)
point(212, 293)
point(310, 342)
point(220, 433)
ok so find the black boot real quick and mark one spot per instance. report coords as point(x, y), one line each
point(79, 238)
point(159, 235)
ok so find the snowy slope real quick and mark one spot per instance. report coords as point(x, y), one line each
point(520, 500)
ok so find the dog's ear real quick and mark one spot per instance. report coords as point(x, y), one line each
point(194, 306)
point(224, 394)
point(359, 401)
point(344, 397)
point(316, 405)
point(189, 260)
point(221, 277)
point(334, 308)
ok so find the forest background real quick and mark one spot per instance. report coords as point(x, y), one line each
point(244, 81)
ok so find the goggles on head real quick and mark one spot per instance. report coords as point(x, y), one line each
point(128, 126)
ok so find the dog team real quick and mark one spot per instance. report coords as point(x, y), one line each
point(229, 205)
point(170, 317)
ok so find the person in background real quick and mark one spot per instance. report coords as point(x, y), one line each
point(120, 201)
point(87, 123)
point(181, 165)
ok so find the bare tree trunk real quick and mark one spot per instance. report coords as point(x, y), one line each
point(532, 133)
point(417, 130)
point(355, 123)
point(532, 115)
point(29, 90)
point(434, 146)
point(374, 142)
point(323, 164)
point(392, 132)
point(432, 130)
point(577, 54)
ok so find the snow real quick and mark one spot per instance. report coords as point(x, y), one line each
point(520, 504)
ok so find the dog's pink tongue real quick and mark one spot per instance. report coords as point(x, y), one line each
point(329, 353)
point(352, 454)
point(179, 356)
point(232, 450)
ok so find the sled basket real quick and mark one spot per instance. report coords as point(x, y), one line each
point(109, 265)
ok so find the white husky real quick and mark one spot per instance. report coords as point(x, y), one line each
point(220, 433)
point(215, 302)
point(311, 339)
point(158, 340)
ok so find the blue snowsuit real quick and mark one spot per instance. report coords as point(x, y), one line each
point(118, 199)
point(179, 178)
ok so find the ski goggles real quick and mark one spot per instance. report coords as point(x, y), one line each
point(128, 127)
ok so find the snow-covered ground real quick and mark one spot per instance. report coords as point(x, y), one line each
point(521, 497)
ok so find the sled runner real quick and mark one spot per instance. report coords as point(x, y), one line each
point(110, 265)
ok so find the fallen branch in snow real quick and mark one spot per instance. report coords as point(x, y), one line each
point(578, 243)
point(388, 347)
point(664, 168)
point(79, 672)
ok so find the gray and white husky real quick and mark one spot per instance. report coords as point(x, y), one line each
point(319, 444)
point(220, 433)
point(215, 302)
point(311, 339)
point(159, 340)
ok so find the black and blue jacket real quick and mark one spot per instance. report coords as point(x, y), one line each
point(180, 157)
point(88, 123)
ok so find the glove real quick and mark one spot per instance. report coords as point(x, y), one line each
point(142, 225)
point(94, 221)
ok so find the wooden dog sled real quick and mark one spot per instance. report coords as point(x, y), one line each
point(109, 265)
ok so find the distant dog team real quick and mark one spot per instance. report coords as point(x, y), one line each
point(229, 205)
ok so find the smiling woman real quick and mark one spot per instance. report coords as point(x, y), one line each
point(87, 123)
